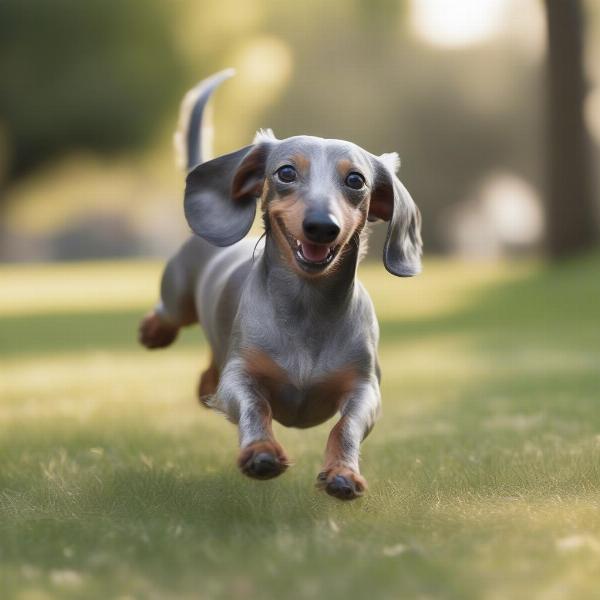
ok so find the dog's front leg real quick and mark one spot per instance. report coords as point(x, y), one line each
point(340, 476)
point(245, 403)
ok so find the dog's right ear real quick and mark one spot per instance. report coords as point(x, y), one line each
point(220, 194)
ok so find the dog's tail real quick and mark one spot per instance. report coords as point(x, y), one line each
point(193, 138)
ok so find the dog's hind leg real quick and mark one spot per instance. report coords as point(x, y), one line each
point(176, 308)
point(154, 332)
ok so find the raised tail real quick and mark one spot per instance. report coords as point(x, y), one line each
point(193, 137)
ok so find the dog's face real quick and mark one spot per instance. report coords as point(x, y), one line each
point(316, 196)
point(315, 201)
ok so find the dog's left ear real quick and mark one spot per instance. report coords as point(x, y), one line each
point(220, 194)
point(390, 201)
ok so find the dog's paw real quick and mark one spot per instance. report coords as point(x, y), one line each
point(342, 483)
point(156, 333)
point(263, 460)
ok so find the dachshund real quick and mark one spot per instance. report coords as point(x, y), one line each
point(292, 331)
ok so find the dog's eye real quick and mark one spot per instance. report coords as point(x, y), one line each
point(355, 181)
point(287, 174)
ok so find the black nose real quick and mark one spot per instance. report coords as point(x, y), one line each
point(320, 227)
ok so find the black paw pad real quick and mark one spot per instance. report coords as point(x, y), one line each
point(342, 488)
point(263, 466)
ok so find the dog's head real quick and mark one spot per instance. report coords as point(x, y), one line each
point(316, 196)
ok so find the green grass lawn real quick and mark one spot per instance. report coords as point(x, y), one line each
point(484, 470)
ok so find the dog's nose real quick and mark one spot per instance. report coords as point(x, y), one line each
point(320, 227)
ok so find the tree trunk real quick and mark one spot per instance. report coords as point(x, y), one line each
point(570, 209)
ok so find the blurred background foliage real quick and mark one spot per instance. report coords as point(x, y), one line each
point(90, 94)
point(91, 75)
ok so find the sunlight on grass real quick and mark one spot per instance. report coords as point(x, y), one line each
point(106, 285)
point(78, 286)
point(444, 287)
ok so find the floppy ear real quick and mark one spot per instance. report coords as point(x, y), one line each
point(220, 194)
point(391, 202)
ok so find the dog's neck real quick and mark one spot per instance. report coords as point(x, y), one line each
point(292, 293)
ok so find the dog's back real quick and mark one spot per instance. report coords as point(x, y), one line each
point(203, 283)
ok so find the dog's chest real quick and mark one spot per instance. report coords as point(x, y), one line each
point(300, 395)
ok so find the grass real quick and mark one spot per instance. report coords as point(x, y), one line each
point(484, 469)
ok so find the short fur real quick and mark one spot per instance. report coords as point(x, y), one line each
point(290, 342)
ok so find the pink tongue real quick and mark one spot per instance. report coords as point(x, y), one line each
point(314, 252)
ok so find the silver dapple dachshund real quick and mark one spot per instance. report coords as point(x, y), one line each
point(292, 331)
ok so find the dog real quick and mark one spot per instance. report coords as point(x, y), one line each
point(292, 331)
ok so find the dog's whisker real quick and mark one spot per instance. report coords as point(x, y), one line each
point(261, 237)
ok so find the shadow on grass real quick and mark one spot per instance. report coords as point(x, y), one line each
point(176, 529)
point(56, 332)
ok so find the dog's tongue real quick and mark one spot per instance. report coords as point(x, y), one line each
point(314, 252)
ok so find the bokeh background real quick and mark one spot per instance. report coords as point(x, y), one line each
point(484, 471)
point(90, 94)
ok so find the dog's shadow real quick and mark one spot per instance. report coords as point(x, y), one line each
point(222, 499)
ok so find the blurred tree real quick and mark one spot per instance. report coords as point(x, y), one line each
point(570, 210)
point(93, 74)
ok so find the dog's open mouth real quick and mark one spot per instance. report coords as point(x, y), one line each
point(314, 254)
point(309, 256)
